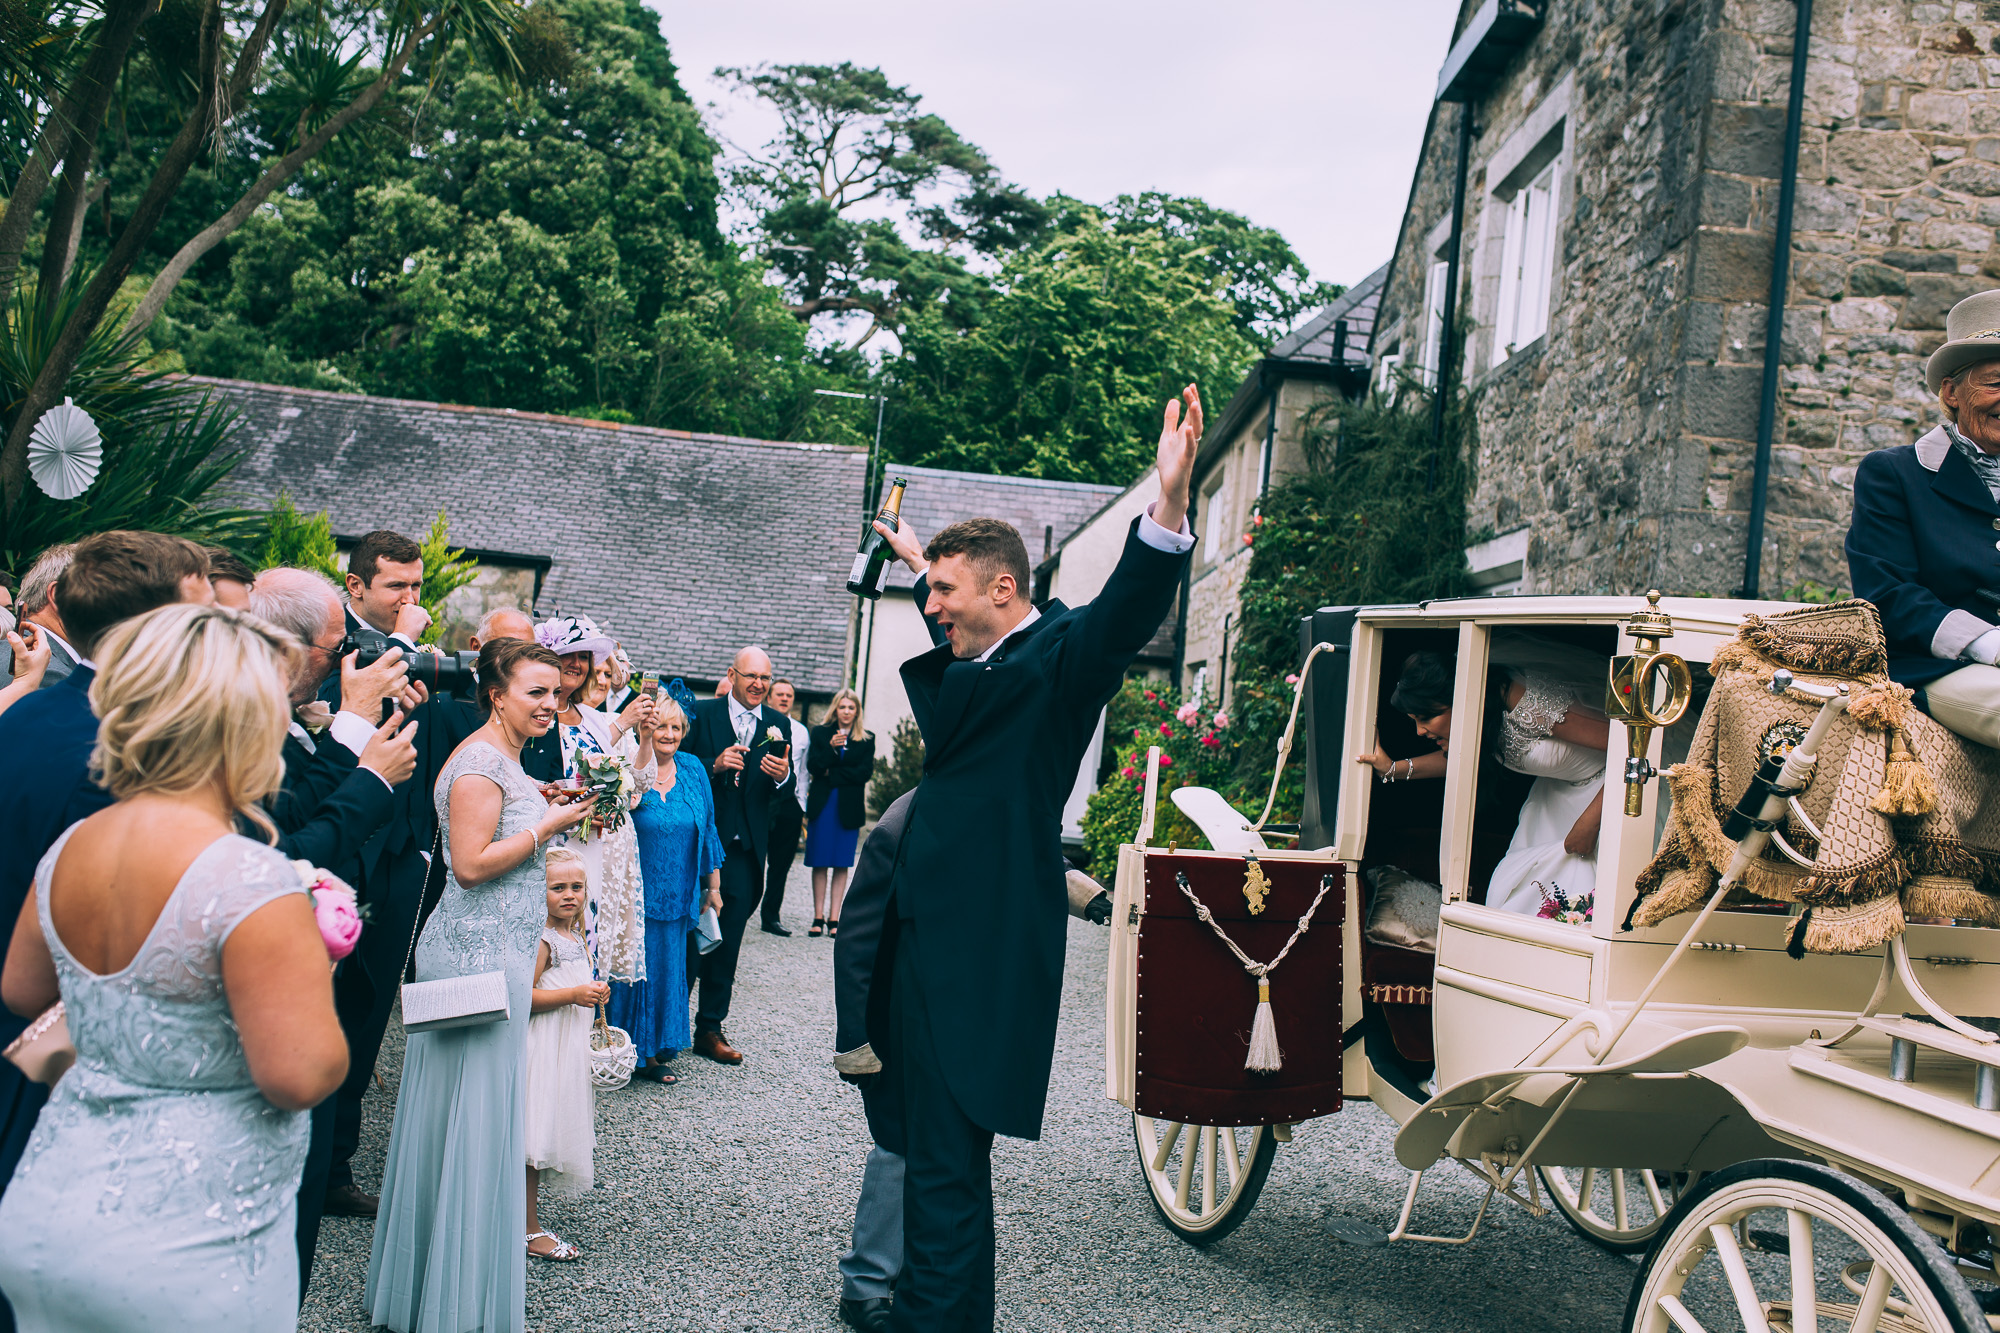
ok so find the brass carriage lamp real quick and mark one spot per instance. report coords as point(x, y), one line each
point(1647, 689)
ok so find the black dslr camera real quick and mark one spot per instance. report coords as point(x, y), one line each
point(441, 673)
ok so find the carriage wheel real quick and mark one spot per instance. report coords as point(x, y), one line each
point(1614, 1208)
point(1793, 1247)
point(1204, 1179)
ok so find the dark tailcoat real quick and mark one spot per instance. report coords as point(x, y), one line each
point(841, 776)
point(1924, 547)
point(867, 937)
point(981, 869)
point(44, 788)
point(329, 807)
point(742, 810)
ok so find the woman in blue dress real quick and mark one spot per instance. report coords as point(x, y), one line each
point(451, 1239)
point(841, 759)
point(680, 858)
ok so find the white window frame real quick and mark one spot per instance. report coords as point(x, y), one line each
point(1385, 371)
point(1527, 261)
point(1214, 510)
point(1435, 280)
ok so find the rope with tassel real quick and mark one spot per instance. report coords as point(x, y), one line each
point(1264, 1056)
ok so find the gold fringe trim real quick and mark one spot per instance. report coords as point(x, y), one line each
point(1854, 928)
point(1679, 891)
point(1839, 639)
point(1882, 876)
point(1941, 897)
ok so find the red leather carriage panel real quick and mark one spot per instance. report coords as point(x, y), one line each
point(1196, 1003)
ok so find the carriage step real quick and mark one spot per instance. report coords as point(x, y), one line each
point(1943, 1089)
point(1353, 1231)
point(1906, 1034)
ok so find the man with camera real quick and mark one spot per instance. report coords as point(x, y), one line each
point(385, 575)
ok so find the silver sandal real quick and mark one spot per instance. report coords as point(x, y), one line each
point(563, 1253)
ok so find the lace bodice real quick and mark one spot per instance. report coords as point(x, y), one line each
point(490, 927)
point(158, 1188)
point(1527, 742)
point(162, 1021)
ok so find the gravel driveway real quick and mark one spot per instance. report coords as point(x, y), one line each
point(724, 1203)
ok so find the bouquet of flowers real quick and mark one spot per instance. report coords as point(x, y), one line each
point(610, 780)
point(1571, 910)
point(334, 907)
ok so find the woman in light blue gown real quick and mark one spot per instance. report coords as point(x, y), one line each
point(450, 1248)
point(160, 1188)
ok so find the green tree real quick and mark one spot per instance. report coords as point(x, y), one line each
point(851, 141)
point(898, 771)
point(299, 541)
point(1084, 336)
point(446, 570)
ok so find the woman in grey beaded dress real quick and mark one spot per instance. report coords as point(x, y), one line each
point(160, 1188)
point(450, 1232)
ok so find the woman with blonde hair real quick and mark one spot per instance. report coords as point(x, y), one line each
point(680, 858)
point(841, 759)
point(160, 1187)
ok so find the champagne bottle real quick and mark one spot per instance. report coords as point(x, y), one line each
point(871, 562)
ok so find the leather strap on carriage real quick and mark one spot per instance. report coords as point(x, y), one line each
point(1264, 1056)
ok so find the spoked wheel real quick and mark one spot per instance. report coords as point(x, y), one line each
point(1614, 1208)
point(1204, 1179)
point(1792, 1247)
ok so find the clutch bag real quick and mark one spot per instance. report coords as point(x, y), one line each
point(44, 1052)
point(708, 931)
point(455, 1002)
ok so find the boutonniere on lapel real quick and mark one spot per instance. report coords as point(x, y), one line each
point(773, 735)
point(314, 715)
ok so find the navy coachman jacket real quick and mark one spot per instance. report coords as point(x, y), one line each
point(1924, 547)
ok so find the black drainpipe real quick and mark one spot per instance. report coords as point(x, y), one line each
point(1446, 353)
point(1774, 325)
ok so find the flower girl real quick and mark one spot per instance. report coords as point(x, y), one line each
point(561, 1105)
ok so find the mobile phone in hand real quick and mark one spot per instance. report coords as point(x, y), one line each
point(649, 685)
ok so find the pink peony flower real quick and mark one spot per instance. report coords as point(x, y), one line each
point(1187, 713)
point(1150, 696)
point(1221, 721)
point(1166, 761)
point(1166, 731)
point(1246, 540)
point(1292, 679)
point(1138, 733)
point(1212, 742)
point(338, 916)
point(1128, 772)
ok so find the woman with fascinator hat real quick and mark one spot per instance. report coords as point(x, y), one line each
point(613, 921)
point(1924, 543)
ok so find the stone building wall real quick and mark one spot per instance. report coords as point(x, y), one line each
point(1622, 440)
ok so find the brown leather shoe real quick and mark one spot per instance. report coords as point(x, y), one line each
point(349, 1201)
point(711, 1045)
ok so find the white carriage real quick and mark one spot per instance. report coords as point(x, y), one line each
point(1795, 1144)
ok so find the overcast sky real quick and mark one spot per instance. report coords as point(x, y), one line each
point(1301, 115)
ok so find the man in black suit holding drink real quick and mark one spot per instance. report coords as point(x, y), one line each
point(1007, 702)
point(747, 749)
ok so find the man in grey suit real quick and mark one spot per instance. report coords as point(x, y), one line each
point(34, 607)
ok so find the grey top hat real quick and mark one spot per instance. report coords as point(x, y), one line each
point(1972, 335)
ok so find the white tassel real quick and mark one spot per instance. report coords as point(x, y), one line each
point(1265, 1057)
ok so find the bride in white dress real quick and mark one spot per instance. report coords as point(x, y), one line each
point(1537, 725)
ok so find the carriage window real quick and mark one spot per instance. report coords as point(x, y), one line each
point(1540, 792)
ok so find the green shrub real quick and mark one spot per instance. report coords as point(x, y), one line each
point(899, 770)
point(1194, 752)
point(300, 541)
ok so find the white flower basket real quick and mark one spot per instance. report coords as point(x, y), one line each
point(613, 1057)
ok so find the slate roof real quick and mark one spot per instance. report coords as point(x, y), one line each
point(1313, 340)
point(685, 546)
point(936, 497)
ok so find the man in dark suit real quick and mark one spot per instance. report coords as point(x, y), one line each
point(340, 781)
point(1007, 703)
point(873, 1260)
point(33, 608)
point(781, 845)
point(115, 575)
point(746, 747)
point(385, 574)
point(541, 757)
point(1922, 544)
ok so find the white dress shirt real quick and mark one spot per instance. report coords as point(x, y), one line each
point(800, 740)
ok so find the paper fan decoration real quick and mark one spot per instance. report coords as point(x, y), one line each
point(64, 451)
